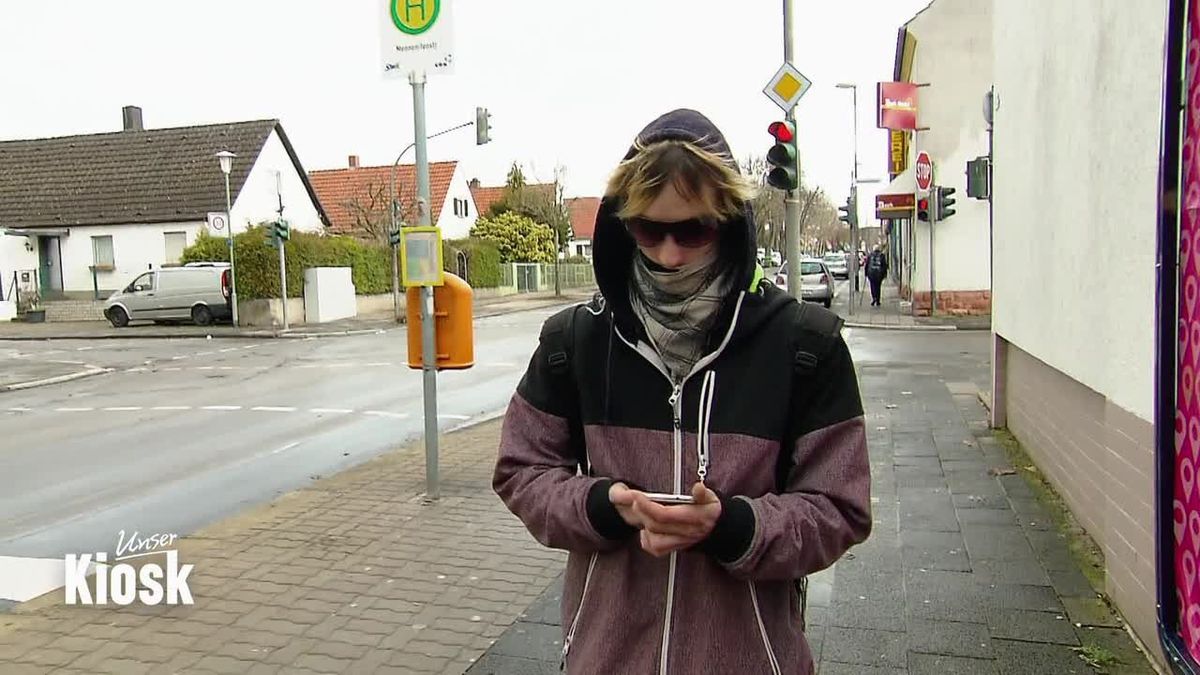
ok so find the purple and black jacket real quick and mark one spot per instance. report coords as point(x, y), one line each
point(785, 449)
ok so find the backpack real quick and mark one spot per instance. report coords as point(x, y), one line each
point(875, 264)
point(816, 332)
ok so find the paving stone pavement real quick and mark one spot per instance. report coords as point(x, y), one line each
point(963, 574)
point(355, 574)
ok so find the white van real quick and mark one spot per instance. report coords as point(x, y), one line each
point(196, 292)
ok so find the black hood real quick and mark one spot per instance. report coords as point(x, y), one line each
point(612, 247)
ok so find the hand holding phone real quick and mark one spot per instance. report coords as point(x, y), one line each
point(667, 498)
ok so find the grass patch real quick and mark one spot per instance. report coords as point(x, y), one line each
point(1084, 550)
point(1097, 657)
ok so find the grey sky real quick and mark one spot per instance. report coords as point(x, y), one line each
point(567, 81)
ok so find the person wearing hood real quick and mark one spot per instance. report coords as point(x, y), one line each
point(687, 378)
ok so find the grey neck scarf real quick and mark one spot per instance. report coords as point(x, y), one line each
point(678, 308)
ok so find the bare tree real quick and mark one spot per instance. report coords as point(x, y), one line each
point(818, 216)
point(369, 211)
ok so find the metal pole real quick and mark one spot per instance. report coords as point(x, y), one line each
point(791, 200)
point(557, 269)
point(229, 237)
point(283, 284)
point(933, 217)
point(854, 243)
point(428, 331)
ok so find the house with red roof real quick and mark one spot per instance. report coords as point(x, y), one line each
point(583, 212)
point(356, 198)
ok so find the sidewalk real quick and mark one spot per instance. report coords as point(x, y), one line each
point(964, 573)
point(890, 314)
point(372, 323)
point(354, 574)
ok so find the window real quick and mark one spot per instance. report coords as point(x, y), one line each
point(102, 253)
point(175, 243)
point(462, 208)
point(143, 283)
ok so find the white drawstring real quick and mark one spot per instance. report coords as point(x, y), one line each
point(708, 391)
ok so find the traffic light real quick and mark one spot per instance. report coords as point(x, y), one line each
point(282, 230)
point(483, 126)
point(782, 156)
point(978, 180)
point(945, 202)
point(394, 237)
point(847, 213)
point(923, 209)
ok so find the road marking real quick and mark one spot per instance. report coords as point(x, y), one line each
point(229, 349)
point(250, 347)
point(71, 363)
point(84, 349)
point(18, 410)
point(384, 413)
point(285, 448)
point(73, 409)
point(178, 358)
point(138, 369)
point(222, 407)
point(204, 354)
point(461, 418)
point(203, 368)
point(173, 370)
point(172, 407)
point(332, 411)
point(124, 408)
point(272, 408)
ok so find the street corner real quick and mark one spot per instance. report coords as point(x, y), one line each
point(17, 374)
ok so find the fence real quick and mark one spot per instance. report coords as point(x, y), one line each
point(537, 277)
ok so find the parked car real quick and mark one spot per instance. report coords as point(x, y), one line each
point(838, 264)
point(196, 292)
point(817, 280)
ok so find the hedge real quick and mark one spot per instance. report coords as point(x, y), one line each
point(483, 261)
point(257, 264)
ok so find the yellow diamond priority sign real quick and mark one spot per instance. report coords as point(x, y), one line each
point(787, 87)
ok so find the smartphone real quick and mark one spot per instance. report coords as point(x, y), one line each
point(664, 498)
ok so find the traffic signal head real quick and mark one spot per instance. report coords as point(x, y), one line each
point(923, 209)
point(394, 237)
point(846, 212)
point(945, 202)
point(483, 126)
point(782, 156)
point(282, 230)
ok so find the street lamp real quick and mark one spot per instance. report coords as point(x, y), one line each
point(225, 158)
point(853, 197)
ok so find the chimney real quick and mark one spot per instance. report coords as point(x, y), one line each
point(132, 117)
point(353, 161)
point(474, 183)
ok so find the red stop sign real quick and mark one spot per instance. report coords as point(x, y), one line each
point(924, 171)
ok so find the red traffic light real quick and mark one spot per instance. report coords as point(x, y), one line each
point(783, 132)
point(923, 204)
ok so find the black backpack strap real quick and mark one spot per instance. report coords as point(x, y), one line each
point(558, 338)
point(816, 330)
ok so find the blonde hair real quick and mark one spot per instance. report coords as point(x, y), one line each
point(697, 174)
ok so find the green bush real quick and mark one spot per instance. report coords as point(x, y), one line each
point(518, 238)
point(483, 261)
point(257, 264)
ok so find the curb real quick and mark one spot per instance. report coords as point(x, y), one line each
point(854, 324)
point(92, 370)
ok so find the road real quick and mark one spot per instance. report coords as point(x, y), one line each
point(184, 432)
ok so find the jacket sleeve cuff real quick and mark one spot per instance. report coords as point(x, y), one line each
point(603, 515)
point(733, 534)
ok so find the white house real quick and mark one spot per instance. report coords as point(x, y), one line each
point(583, 212)
point(91, 212)
point(947, 46)
point(356, 198)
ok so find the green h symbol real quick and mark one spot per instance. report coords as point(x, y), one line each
point(410, 5)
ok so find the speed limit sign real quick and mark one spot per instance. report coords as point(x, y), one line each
point(217, 221)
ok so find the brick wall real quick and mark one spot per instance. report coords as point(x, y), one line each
point(1100, 459)
point(955, 303)
point(74, 310)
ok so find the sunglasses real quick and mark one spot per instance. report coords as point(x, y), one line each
point(692, 233)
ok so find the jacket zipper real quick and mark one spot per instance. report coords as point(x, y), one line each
point(587, 580)
point(677, 427)
point(762, 630)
